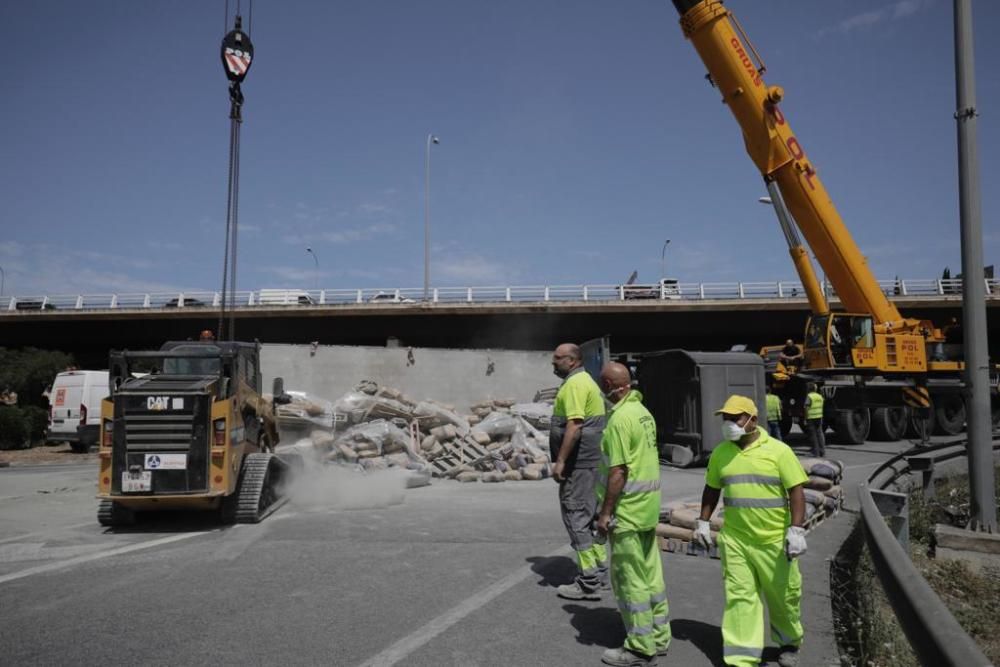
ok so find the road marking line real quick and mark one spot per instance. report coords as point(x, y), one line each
point(101, 554)
point(27, 536)
point(436, 626)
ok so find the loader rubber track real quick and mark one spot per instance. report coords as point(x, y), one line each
point(260, 491)
point(110, 513)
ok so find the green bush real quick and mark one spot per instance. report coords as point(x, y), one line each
point(30, 371)
point(37, 421)
point(14, 429)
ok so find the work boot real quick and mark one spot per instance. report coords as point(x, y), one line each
point(576, 592)
point(662, 650)
point(622, 657)
point(789, 656)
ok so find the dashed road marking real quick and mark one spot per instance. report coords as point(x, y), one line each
point(61, 565)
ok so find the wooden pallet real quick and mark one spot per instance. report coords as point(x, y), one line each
point(464, 451)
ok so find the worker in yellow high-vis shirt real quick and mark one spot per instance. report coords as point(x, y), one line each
point(773, 404)
point(575, 447)
point(628, 491)
point(760, 480)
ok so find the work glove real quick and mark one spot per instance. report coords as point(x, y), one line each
point(703, 535)
point(795, 542)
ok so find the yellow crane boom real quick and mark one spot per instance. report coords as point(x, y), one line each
point(735, 70)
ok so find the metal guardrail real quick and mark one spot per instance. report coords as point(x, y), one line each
point(934, 634)
point(483, 295)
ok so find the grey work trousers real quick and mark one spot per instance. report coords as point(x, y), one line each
point(578, 505)
point(814, 429)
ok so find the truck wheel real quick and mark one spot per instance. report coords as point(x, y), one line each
point(949, 414)
point(852, 426)
point(889, 424)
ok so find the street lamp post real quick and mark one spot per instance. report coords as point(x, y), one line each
point(663, 259)
point(3, 279)
point(316, 273)
point(431, 139)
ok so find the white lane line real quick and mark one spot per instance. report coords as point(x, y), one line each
point(436, 626)
point(53, 531)
point(100, 554)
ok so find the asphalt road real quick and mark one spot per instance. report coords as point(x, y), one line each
point(449, 574)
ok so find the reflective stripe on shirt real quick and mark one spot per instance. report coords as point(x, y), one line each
point(755, 503)
point(752, 479)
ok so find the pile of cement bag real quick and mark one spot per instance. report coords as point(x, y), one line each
point(375, 427)
point(823, 490)
point(823, 494)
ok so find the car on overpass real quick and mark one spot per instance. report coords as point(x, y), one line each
point(389, 297)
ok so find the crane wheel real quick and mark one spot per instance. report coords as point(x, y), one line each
point(889, 424)
point(949, 414)
point(852, 426)
point(920, 423)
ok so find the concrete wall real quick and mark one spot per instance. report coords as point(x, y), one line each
point(459, 377)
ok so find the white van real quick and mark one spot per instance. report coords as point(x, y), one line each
point(75, 415)
point(284, 297)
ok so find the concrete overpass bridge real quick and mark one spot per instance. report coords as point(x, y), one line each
point(699, 316)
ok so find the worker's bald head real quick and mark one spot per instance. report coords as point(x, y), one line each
point(571, 350)
point(615, 380)
point(566, 359)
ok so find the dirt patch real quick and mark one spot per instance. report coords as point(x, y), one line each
point(43, 454)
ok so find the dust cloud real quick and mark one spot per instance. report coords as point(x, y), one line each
point(332, 487)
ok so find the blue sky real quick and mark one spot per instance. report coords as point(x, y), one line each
point(576, 137)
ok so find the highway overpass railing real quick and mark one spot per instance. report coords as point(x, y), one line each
point(667, 291)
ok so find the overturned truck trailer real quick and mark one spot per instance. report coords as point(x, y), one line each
point(683, 389)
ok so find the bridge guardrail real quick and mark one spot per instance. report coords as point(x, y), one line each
point(933, 633)
point(790, 290)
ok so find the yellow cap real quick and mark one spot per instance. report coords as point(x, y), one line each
point(738, 405)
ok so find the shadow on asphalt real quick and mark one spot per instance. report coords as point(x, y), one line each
point(554, 571)
point(169, 522)
point(597, 626)
point(707, 638)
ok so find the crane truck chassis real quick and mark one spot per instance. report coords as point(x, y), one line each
point(879, 371)
point(194, 432)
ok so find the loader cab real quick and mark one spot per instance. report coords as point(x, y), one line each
point(840, 340)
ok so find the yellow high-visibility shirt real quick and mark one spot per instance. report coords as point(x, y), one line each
point(755, 483)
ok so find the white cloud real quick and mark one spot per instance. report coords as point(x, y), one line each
point(472, 270)
point(45, 269)
point(295, 275)
point(341, 236)
point(901, 9)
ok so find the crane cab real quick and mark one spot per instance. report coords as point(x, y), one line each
point(851, 341)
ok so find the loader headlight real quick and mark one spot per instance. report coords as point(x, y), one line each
point(219, 433)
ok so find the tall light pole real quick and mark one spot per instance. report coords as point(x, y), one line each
point(663, 259)
point(983, 514)
point(316, 274)
point(3, 279)
point(431, 139)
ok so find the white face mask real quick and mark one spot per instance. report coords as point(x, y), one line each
point(732, 431)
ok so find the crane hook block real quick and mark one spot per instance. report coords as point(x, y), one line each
point(237, 53)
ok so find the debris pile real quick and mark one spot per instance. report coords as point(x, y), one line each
point(375, 428)
point(823, 494)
